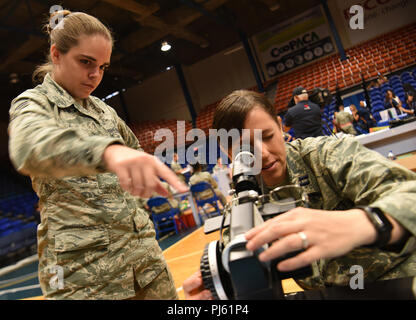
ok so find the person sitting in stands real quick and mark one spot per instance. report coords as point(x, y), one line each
point(362, 118)
point(393, 101)
point(204, 176)
point(410, 102)
point(165, 207)
point(177, 168)
point(378, 82)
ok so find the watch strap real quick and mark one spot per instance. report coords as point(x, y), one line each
point(381, 223)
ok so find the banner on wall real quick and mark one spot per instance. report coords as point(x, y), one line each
point(380, 16)
point(293, 43)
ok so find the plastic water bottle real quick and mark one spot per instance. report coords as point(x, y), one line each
point(391, 155)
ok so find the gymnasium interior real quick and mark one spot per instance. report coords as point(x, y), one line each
point(216, 47)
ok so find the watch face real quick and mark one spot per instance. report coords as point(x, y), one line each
point(378, 220)
point(382, 225)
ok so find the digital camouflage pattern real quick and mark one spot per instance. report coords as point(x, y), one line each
point(344, 121)
point(166, 206)
point(205, 176)
point(341, 174)
point(100, 235)
point(176, 167)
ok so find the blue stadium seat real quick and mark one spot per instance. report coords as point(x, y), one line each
point(196, 190)
point(163, 221)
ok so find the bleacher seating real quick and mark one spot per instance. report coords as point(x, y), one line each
point(385, 54)
point(18, 221)
point(146, 131)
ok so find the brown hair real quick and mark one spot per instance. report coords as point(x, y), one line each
point(233, 109)
point(65, 35)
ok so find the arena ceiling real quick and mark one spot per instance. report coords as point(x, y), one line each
point(196, 29)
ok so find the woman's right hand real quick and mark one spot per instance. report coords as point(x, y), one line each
point(194, 288)
point(139, 173)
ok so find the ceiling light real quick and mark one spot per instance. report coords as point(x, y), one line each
point(165, 46)
point(14, 78)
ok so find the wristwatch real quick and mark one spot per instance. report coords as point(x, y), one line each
point(381, 223)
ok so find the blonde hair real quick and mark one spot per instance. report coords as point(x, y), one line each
point(65, 34)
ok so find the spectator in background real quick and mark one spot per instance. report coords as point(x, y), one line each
point(363, 119)
point(219, 166)
point(172, 201)
point(344, 121)
point(304, 117)
point(177, 168)
point(363, 105)
point(410, 102)
point(378, 82)
point(393, 101)
point(204, 176)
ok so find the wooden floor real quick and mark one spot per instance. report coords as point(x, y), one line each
point(184, 257)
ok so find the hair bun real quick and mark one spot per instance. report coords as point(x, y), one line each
point(55, 18)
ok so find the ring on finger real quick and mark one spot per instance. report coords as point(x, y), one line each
point(304, 238)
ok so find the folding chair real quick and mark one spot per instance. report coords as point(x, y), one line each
point(196, 190)
point(164, 221)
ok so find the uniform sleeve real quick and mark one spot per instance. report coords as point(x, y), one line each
point(128, 135)
point(367, 178)
point(39, 146)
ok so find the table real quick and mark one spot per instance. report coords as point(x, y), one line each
point(409, 162)
point(191, 201)
point(399, 140)
point(183, 259)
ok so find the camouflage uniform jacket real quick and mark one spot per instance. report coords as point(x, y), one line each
point(166, 206)
point(340, 174)
point(100, 235)
point(204, 176)
point(344, 120)
point(176, 167)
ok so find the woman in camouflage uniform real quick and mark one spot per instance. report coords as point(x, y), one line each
point(334, 231)
point(204, 176)
point(88, 169)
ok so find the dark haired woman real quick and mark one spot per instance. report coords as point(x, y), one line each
point(204, 176)
point(349, 186)
point(393, 101)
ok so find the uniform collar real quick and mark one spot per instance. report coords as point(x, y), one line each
point(57, 94)
point(297, 172)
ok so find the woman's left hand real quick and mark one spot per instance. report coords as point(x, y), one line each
point(329, 234)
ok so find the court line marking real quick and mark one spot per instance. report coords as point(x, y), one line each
point(185, 256)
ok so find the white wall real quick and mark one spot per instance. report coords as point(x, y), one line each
point(210, 80)
point(157, 98)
